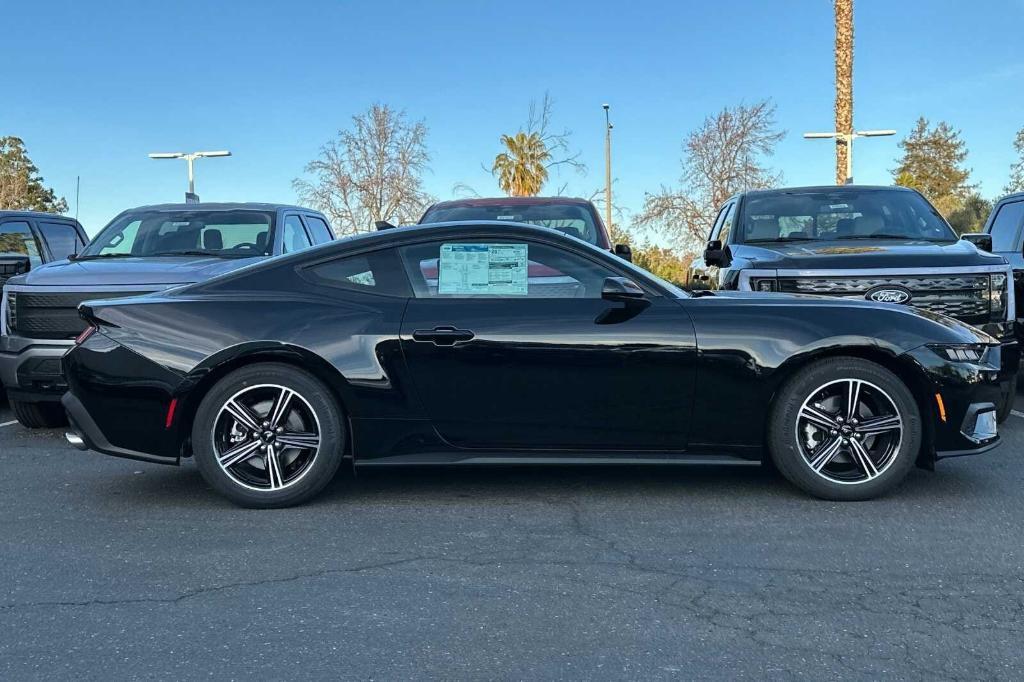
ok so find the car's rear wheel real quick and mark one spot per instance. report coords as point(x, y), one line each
point(39, 415)
point(845, 429)
point(268, 435)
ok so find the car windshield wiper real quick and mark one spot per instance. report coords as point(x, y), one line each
point(94, 256)
point(781, 239)
point(888, 235)
point(191, 252)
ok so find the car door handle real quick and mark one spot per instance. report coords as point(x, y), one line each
point(442, 336)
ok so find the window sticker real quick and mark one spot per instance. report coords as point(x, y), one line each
point(483, 269)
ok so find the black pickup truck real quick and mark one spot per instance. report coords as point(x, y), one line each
point(883, 244)
point(29, 239)
point(143, 250)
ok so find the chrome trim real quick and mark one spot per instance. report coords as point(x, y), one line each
point(747, 274)
point(75, 441)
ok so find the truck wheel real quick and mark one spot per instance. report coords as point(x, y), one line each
point(1006, 406)
point(844, 429)
point(39, 415)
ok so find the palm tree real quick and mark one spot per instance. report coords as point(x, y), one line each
point(522, 167)
point(844, 84)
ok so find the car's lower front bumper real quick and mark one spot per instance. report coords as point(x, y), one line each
point(961, 401)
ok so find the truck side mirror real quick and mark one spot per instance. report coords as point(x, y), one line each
point(12, 264)
point(715, 254)
point(624, 252)
point(980, 239)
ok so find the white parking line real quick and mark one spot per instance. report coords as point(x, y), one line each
point(14, 422)
point(1017, 413)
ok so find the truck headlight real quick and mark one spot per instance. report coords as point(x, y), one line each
point(762, 284)
point(11, 311)
point(997, 294)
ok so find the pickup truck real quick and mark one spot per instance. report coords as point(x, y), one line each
point(1005, 226)
point(29, 239)
point(141, 251)
point(883, 244)
point(575, 217)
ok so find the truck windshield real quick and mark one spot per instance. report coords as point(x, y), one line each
point(843, 214)
point(224, 234)
point(574, 221)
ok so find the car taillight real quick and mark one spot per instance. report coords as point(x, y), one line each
point(89, 331)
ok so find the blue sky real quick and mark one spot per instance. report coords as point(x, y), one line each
point(93, 86)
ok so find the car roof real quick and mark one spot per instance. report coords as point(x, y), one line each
point(512, 201)
point(35, 214)
point(1016, 196)
point(832, 189)
point(220, 206)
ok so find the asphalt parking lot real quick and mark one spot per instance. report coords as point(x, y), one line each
point(114, 569)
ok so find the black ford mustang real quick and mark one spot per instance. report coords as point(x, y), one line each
point(496, 343)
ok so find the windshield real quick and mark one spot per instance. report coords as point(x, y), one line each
point(573, 220)
point(225, 234)
point(842, 214)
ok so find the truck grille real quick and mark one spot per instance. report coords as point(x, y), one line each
point(55, 316)
point(964, 297)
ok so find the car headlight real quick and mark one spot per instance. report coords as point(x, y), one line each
point(762, 284)
point(997, 294)
point(961, 352)
point(11, 314)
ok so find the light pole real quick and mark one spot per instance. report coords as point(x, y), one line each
point(190, 197)
point(847, 139)
point(607, 168)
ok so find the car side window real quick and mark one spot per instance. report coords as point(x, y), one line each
point(501, 268)
point(61, 238)
point(1006, 227)
point(717, 226)
point(294, 237)
point(319, 229)
point(377, 272)
point(16, 237)
point(726, 228)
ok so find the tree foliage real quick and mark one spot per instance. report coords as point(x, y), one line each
point(523, 166)
point(932, 163)
point(724, 156)
point(1016, 183)
point(372, 171)
point(21, 187)
point(971, 216)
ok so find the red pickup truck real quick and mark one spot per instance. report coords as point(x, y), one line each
point(575, 217)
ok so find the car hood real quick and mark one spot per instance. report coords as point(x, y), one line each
point(167, 271)
point(867, 253)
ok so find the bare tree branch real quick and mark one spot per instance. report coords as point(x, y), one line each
point(371, 172)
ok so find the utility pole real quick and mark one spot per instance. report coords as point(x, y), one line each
point(190, 197)
point(607, 168)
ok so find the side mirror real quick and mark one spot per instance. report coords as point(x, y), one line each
point(714, 254)
point(624, 252)
point(621, 289)
point(980, 239)
point(12, 264)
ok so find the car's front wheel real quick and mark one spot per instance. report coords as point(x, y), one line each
point(845, 429)
point(268, 435)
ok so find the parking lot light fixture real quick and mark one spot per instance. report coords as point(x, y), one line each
point(847, 139)
point(190, 157)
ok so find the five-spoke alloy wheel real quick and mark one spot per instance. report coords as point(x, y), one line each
point(268, 435)
point(845, 429)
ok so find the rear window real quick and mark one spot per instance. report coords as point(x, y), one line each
point(61, 238)
point(573, 220)
point(227, 234)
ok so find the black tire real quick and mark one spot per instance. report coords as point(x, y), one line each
point(1007, 402)
point(39, 415)
point(317, 408)
point(844, 476)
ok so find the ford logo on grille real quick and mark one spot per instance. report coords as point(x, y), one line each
point(889, 294)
